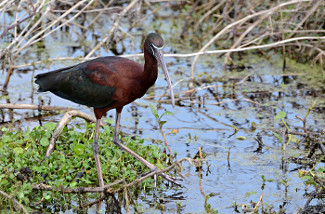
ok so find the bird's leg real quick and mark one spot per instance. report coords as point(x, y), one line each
point(96, 155)
point(122, 146)
point(135, 155)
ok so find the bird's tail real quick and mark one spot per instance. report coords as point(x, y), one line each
point(44, 81)
point(48, 81)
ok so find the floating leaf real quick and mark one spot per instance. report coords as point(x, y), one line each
point(3, 182)
point(280, 115)
point(174, 131)
point(248, 194)
point(73, 184)
point(320, 170)
point(4, 129)
point(241, 138)
point(47, 196)
point(253, 126)
point(21, 195)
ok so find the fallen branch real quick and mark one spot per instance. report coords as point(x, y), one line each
point(108, 188)
point(64, 121)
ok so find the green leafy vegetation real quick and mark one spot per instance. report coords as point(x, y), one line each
point(71, 165)
point(161, 123)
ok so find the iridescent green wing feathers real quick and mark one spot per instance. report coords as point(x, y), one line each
point(85, 83)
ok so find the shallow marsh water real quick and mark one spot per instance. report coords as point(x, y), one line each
point(238, 181)
point(207, 120)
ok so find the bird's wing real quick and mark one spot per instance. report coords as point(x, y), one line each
point(86, 83)
point(100, 73)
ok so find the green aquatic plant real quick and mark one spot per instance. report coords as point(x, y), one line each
point(71, 165)
point(161, 124)
point(280, 116)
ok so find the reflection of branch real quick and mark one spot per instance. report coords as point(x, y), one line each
point(33, 107)
point(20, 122)
point(14, 201)
point(215, 120)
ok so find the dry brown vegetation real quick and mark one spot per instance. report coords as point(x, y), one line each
point(295, 28)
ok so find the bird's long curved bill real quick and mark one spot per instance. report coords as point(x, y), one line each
point(160, 58)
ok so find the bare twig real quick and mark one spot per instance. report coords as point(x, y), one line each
point(284, 149)
point(311, 11)
point(207, 14)
point(33, 107)
point(242, 36)
point(39, 36)
point(188, 18)
point(18, 22)
point(14, 201)
point(114, 27)
point(240, 21)
point(275, 44)
point(257, 205)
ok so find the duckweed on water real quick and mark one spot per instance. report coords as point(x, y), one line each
point(71, 164)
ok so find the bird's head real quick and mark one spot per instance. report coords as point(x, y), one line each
point(154, 44)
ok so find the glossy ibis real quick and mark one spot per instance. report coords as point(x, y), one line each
point(107, 83)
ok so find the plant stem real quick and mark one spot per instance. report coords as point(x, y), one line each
point(164, 136)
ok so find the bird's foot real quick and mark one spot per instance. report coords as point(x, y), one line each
point(164, 176)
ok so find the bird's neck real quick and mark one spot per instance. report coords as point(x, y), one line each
point(150, 68)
